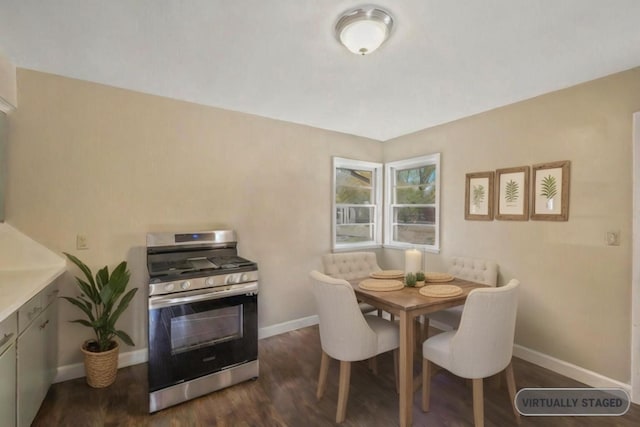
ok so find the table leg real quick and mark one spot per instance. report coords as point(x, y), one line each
point(406, 369)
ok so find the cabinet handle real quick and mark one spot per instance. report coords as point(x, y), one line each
point(5, 339)
point(44, 324)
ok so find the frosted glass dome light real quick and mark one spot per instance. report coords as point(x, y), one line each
point(363, 30)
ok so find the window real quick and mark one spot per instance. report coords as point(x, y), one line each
point(357, 200)
point(412, 203)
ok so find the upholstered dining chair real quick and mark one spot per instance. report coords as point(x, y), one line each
point(475, 269)
point(346, 334)
point(349, 266)
point(481, 347)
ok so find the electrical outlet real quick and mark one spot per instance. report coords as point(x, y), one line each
point(613, 238)
point(82, 242)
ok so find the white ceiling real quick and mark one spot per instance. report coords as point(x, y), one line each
point(446, 59)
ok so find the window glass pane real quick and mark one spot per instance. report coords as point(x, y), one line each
point(415, 215)
point(412, 208)
point(353, 186)
point(357, 204)
point(415, 234)
point(354, 233)
point(353, 177)
point(416, 185)
point(353, 215)
point(351, 195)
point(416, 176)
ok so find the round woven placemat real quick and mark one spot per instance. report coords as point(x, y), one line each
point(381, 285)
point(387, 274)
point(441, 291)
point(438, 277)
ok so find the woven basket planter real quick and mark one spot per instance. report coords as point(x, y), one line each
point(100, 368)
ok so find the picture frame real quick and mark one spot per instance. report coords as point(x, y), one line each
point(512, 192)
point(550, 198)
point(478, 196)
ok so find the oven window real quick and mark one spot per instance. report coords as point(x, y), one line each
point(196, 330)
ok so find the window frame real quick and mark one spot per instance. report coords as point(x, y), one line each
point(377, 203)
point(390, 182)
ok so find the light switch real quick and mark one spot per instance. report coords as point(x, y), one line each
point(613, 238)
point(82, 242)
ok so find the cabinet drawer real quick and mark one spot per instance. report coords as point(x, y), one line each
point(29, 311)
point(8, 332)
point(50, 293)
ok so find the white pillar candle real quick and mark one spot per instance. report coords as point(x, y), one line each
point(412, 261)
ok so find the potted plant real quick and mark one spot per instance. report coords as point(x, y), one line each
point(102, 301)
point(410, 279)
point(420, 279)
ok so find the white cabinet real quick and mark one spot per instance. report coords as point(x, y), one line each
point(36, 352)
point(8, 332)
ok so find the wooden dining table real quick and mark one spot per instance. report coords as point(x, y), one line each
point(408, 304)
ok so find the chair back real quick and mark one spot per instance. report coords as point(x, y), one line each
point(483, 344)
point(344, 333)
point(350, 265)
point(474, 269)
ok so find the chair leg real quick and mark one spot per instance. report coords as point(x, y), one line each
point(322, 378)
point(511, 385)
point(426, 384)
point(478, 403)
point(379, 312)
point(392, 317)
point(343, 390)
point(373, 364)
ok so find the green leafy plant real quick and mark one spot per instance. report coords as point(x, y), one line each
point(511, 191)
point(99, 301)
point(420, 276)
point(410, 279)
point(478, 194)
point(549, 188)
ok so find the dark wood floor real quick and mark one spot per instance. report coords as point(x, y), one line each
point(284, 395)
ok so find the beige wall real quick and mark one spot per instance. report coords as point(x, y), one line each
point(576, 293)
point(115, 164)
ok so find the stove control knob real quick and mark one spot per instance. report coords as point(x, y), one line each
point(185, 285)
point(209, 281)
point(168, 287)
point(244, 277)
point(228, 279)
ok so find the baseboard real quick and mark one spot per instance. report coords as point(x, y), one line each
point(561, 367)
point(70, 372)
point(76, 370)
point(291, 325)
point(567, 369)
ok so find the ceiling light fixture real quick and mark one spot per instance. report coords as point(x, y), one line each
point(363, 30)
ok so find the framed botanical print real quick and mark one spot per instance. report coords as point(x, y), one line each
point(512, 190)
point(550, 198)
point(478, 196)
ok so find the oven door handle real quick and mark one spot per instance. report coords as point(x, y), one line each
point(203, 295)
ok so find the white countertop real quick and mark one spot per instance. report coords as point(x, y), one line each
point(26, 267)
point(19, 286)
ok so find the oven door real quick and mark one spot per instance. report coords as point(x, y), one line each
point(192, 334)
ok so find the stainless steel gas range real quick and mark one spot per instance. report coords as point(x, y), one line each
point(203, 315)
